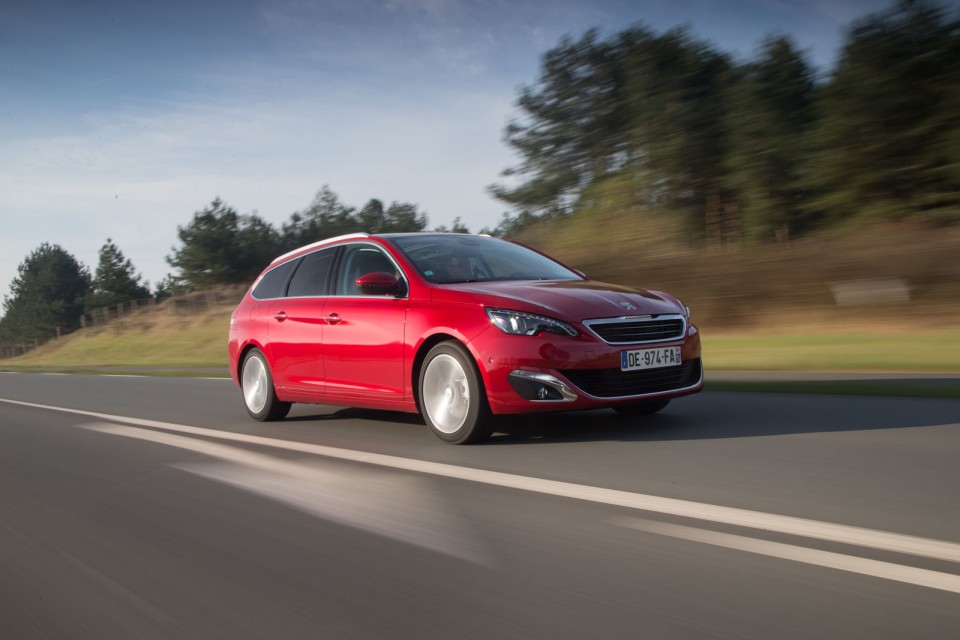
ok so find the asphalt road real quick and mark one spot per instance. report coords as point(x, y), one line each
point(154, 508)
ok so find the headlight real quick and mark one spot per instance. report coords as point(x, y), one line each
point(521, 323)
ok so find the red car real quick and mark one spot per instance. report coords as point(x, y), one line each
point(459, 328)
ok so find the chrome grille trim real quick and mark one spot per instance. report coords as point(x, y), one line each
point(639, 329)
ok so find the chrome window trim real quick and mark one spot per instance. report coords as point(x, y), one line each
point(279, 264)
point(665, 316)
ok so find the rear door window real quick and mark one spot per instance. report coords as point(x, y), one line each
point(313, 276)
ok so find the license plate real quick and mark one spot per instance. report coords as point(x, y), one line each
point(637, 359)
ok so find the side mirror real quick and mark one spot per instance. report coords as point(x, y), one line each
point(378, 283)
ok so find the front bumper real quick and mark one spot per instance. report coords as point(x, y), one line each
point(528, 374)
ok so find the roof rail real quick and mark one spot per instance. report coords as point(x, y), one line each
point(320, 243)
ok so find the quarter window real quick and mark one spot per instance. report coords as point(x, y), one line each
point(273, 282)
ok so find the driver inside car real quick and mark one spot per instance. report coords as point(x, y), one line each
point(458, 269)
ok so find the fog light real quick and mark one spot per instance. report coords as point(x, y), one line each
point(540, 387)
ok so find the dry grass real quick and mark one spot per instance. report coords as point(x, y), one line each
point(165, 336)
point(923, 351)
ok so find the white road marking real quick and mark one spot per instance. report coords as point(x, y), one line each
point(39, 373)
point(404, 508)
point(407, 509)
point(870, 538)
point(853, 564)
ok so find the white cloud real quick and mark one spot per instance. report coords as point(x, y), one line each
point(134, 175)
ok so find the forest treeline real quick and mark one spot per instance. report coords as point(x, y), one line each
point(658, 125)
point(219, 246)
point(755, 151)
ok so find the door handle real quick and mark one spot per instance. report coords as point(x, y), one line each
point(280, 316)
point(333, 318)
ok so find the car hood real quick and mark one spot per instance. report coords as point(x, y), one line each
point(571, 300)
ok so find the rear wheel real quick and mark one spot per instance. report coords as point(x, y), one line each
point(645, 408)
point(452, 398)
point(259, 396)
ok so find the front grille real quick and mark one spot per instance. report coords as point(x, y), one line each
point(613, 383)
point(635, 331)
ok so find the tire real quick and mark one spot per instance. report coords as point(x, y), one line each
point(452, 398)
point(645, 408)
point(259, 395)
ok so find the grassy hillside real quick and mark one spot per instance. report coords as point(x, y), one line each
point(762, 308)
point(188, 332)
point(773, 289)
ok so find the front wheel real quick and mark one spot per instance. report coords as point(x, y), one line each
point(259, 396)
point(452, 398)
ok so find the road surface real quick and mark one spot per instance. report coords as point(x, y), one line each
point(154, 508)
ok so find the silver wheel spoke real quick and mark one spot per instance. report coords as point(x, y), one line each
point(255, 385)
point(446, 395)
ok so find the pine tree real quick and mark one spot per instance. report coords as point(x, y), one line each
point(769, 117)
point(46, 296)
point(115, 281)
point(886, 143)
point(222, 247)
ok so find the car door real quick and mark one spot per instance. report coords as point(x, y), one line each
point(296, 327)
point(271, 287)
point(364, 340)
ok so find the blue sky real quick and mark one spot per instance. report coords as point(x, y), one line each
point(121, 119)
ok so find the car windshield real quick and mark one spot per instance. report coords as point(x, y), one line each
point(454, 258)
